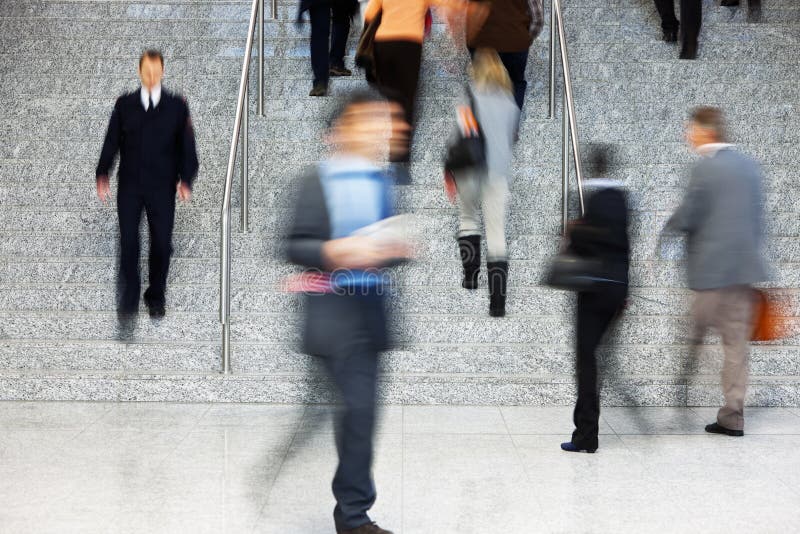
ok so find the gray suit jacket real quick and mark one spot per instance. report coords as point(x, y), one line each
point(722, 217)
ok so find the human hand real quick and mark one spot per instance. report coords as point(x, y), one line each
point(362, 252)
point(450, 186)
point(103, 189)
point(184, 192)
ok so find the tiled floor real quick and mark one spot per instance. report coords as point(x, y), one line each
point(151, 468)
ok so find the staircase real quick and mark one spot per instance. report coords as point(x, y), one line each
point(64, 63)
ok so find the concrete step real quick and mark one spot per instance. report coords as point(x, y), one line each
point(471, 390)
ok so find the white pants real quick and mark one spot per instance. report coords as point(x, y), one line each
point(478, 190)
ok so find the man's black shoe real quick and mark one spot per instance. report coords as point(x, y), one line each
point(369, 528)
point(729, 3)
point(670, 36)
point(156, 310)
point(715, 428)
point(340, 71)
point(754, 12)
point(319, 90)
point(689, 51)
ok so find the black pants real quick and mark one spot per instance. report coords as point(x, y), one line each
point(160, 208)
point(354, 373)
point(330, 26)
point(691, 17)
point(596, 312)
point(397, 65)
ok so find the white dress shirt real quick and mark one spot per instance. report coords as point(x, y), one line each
point(156, 94)
point(710, 150)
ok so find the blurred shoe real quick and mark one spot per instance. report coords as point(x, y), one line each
point(754, 11)
point(716, 428)
point(571, 447)
point(157, 311)
point(126, 324)
point(729, 3)
point(340, 71)
point(369, 528)
point(469, 248)
point(497, 271)
point(319, 90)
point(670, 36)
point(689, 51)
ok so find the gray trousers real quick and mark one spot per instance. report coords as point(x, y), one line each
point(487, 192)
point(729, 311)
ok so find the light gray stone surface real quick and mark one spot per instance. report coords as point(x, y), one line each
point(68, 60)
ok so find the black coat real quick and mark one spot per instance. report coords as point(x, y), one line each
point(157, 148)
point(333, 321)
point(602, 233)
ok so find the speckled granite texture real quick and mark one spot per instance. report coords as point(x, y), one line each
point(65, 61)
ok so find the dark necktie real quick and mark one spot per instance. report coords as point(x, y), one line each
point(152, 107)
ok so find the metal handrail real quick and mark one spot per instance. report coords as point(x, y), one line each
point(242, 111)
point(570, 125)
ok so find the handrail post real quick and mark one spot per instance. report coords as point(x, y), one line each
point(274, 9)
point(225, 215)
point(568, 95)
point(245, 165)
point(564, 169)
point(260, 58)
point(551, 109)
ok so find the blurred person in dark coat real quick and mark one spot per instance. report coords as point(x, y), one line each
point(152, 131)
point(722, 217)
point(330, 28)
point(346, 324)
point(510, 28)
point(602, 233)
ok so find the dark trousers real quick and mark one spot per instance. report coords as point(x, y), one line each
point(160, 208)
point(691, 17)
point(397, 65)
point(354, 372)
point(330, 26)
point(596, 312)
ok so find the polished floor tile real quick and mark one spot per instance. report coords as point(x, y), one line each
point(267, 469)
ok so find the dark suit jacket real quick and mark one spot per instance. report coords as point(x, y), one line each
point(603, 232)
point(156, 148)
point(334, 322)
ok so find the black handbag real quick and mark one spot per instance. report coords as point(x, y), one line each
point(468, 151)
point(365, 51)
point(575, 273)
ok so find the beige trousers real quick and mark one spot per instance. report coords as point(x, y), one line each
point(729, 311)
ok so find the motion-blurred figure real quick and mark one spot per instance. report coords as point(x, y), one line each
point(510, 29)
point(398, 56)
point(691, 20)
point(753, 8)
point(486, 189)
point(601, 234)
point(345, 317)
point(722, 217)
point(152, 130)
point(330, 27)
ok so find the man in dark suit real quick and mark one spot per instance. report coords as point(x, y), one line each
point(345, 319)
point(691, 19)
point(152, 131)
point(330, 28)
point(722, 217)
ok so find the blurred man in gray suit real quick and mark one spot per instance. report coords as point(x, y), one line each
point(722, 217)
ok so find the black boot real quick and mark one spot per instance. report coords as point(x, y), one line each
point(498, 281)
point(470, 249)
